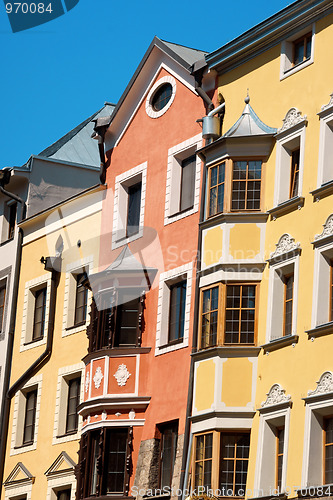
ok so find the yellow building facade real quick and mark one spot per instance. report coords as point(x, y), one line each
point(263, 369)
point(59, 246)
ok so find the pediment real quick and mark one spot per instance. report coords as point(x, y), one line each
point(63, 463)
point(19, 474)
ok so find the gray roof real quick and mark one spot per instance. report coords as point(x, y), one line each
point(77, 146)
point(188, 54)
point(249, 124)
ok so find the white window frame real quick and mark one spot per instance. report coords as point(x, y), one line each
point(5, 279)
point(282, 264)
point(29, 310)
point(151, 112)
point(266, 454)
point(289, 137)
point(323, 247)
point(325, 169)
point(176, 155)
point(168, 278)
point(123, 181)
point(318, 405)
point(287, 46)
point(17, 446)
point(72, 271)
point(65, 374)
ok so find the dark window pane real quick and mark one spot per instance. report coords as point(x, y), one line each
point(127, 323)
point(72, 404)
point(115, 457)
point(187, 183)
point(30, 416)
point(133, 209)
point(95, 453)
point(80, 301)
point(162, 96)
point(12, 209)
point(177, 311)
point(2, 305)
point(64, 494)
point(168, 449)
point(39, 315)
point(294, 173)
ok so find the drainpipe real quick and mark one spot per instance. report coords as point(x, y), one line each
point(40, 361)
point(100, 128)
point(198, 69)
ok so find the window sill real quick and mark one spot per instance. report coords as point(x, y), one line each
point(273, 345)
point(6, 241)
point(232, 216)
point(226, 351)
point(281, 496)
point(31, 342)
point(180, 212)
point(67, 434)
point(320, 330)
point(25, 445)
point(287, 206)
point(171, 343)
point(68, 328)
point(323, 191)
point(296, 68)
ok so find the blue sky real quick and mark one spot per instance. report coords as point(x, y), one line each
point(56, 75)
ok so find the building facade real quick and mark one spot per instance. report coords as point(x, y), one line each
point(262, 393)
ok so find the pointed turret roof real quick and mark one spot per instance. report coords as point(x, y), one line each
point(249, 124)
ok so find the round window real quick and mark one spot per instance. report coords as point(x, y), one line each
point(162, 96)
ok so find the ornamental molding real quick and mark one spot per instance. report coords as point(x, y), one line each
point(276, 395)
point(131, 415)
point(324, 384)
point(292, 118)
point(328, 229)
point(104, 415)
point(87, 382)
point(122, 375)
point(98, 377)
point(285, 244)
point(329, 104)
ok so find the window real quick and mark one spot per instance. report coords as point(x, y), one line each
point(302, 49)
point(12, 209)
point(64, 494)
point(173, 310)
point(162, 96)
point(245, 187)
point(80, 301)
point(288, 282)
point(328, 451)
point(228, 315)
point(119, 325)
point(183, 180)
point(168, 447)
point(2, 304)
point(106, 455)
point(177, 311)
point(283, 290)
point(289, 159)
point(39, 315)
point(230, 473)
point(297, 52)
point(129, 205)
point(188, 168)
point(133, 209)
point(30, 416)
point(72, 404)
point(294, 173)
point(331, 292)
point(325, 164)
point(279, 456)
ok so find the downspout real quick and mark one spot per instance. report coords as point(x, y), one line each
point(39, 362)
point(101, 125)
point(187, 435)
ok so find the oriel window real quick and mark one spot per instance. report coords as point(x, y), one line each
point(234, 461)
point(216, 183)
point(246, 185)
point(203, 462)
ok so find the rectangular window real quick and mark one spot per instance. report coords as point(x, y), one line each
point(203, 460)
point(2, 305)
point(64, 494)
point(115, 461)
point(228, 315)
point(246, 185)
point(279, 456)
point(288, 304)
point(188, 168)
point(133, 209)
point(234, 458)
point(127, 323)
point(294, 173)
point(177, 311)
point(240, 314)
point(80, 301)
point(73, 402)
point(302, 49)
point(216, 187)
point(12, 209)
point(39, 315)
point(168, 447)
point(30, 417)
point(328, 451)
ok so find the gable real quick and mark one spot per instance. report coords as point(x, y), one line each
point(63, 463)
point(19, 474)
